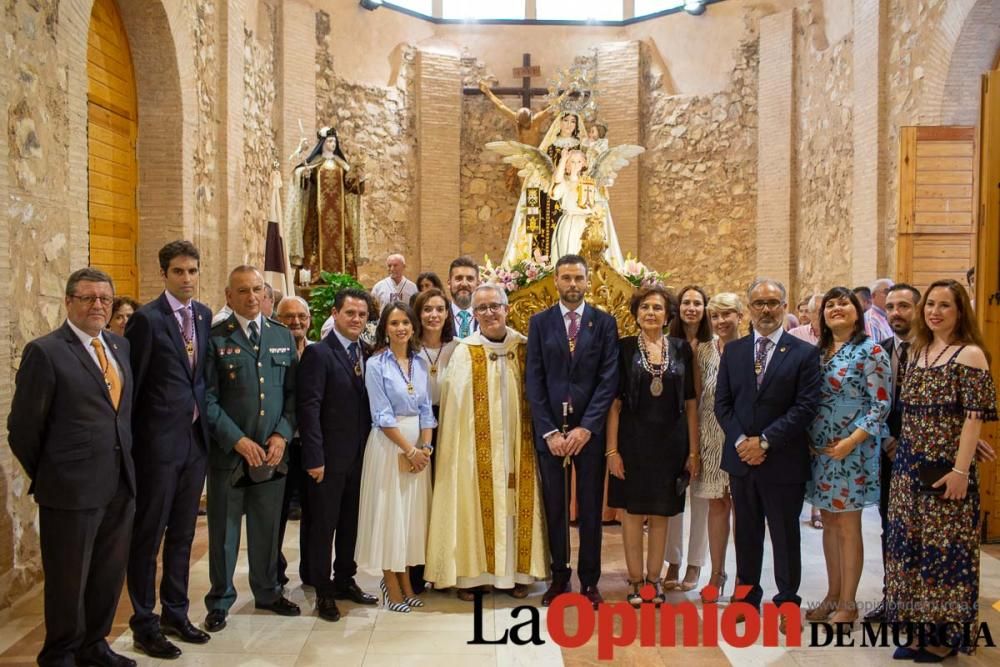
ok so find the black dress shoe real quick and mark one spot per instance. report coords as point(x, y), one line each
point(353, 593)
point(592, 594)
point(556, 588)
point(327, 609)
point(876, 615)
point(155, 645)
point(103, 657)
point(185, 631)
point(216, 620)
point(282, 607)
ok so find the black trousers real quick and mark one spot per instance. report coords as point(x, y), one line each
point(590, 467)
point(84, 557)
point(330, 522)
point(294, 489)
point(885, 478)
point(754, 503)
point(166, 511)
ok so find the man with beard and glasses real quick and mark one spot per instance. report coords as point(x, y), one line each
point(572, 370)
point(486, 454)
point(768, 393)
point(901, 307)
point(463, 278)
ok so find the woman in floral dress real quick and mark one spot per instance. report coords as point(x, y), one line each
point(932, 559)
point(846, 438)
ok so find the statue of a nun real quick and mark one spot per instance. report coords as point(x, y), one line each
point(324, 212)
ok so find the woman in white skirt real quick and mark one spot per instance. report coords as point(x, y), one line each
point(395, 480)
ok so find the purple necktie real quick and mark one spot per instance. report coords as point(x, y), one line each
point(760, 359)
point(187, 330)
point(574, 329)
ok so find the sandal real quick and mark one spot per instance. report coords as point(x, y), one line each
point(671, 584)
point(688, 584)
point(658, 596)
point(816, 521)
point(720, 585)
point(634, 598)
point(822, 611)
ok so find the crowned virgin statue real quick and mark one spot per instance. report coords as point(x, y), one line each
point(324, 212)
point(578, 187)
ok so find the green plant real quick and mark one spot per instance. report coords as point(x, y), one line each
point(322, 295)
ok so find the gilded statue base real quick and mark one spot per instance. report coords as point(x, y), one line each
point(608, 290)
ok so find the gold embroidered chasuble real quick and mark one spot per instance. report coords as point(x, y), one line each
point(487, 524)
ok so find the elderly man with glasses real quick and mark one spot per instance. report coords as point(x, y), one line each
point(486, 487)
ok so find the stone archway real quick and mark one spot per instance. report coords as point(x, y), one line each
point(976, 51)
point(162, 57)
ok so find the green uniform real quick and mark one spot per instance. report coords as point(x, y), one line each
point(251, 393)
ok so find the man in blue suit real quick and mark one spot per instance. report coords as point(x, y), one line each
point(572, 360)
point(334, 422)
point(169, 342)
point(767, 394)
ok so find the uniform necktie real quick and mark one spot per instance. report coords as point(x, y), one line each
point(187, 331)
point(463, 328)
point(111, 379)
point(254, 334)
point(574, 329)
point(760, 359)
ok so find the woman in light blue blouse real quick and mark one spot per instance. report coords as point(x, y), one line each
point(395, 481)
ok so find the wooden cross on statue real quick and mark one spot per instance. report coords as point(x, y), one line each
point(526, 72)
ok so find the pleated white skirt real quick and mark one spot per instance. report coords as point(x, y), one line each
point(395, 507)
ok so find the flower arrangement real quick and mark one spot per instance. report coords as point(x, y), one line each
point(521, 274)
point(641, 275)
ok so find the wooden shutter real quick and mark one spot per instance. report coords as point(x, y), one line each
point(988, 282)
point(937, 236)
point(111, 137)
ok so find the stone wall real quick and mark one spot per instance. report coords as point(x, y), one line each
point(699, 177)
point(824, 154)
point(912, 26)
point(259, 139)
point(33, 83)
point(377, 129)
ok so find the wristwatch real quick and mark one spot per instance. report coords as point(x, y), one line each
point(764, 444)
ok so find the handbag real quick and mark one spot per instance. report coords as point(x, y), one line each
point(247, 475)
point(682, 482)
point(930, 473)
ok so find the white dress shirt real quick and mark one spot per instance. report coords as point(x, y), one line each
point(245, 324)
point(566, 311)
point(86, 338)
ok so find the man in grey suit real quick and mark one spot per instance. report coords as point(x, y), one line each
point(70, 427)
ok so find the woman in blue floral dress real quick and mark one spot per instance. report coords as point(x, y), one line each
point(932, 556)
point(846, 438)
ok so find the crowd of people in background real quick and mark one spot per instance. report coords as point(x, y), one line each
point(408, 451)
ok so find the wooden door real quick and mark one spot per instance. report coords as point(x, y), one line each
point(937, 236)
point(111, 137)
point(988, 279)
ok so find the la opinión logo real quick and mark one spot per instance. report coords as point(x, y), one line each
point(740, 624)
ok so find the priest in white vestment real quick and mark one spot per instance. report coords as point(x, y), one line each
point(487, 518)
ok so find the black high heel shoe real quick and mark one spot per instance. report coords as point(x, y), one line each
point(721, 586)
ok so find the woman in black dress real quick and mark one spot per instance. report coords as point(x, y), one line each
point(652, 441)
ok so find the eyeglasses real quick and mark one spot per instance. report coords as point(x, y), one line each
point(483, 308)
point(294, 316)
point(770, 304)
point(106, 301)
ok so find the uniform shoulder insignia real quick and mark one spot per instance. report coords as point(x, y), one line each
point(223, 328)
point(275, 322)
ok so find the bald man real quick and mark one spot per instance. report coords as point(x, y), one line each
point(395, 286)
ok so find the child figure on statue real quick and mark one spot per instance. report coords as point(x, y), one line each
point(579, 197)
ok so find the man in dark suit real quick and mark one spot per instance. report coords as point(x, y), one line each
point(767, 394)
point(334, 422)
point(169, 341)
point(463, 278)
point(250, 405)
point(572, 361)
point(70, 427)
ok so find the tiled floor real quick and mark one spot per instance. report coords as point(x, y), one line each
point(438, 634)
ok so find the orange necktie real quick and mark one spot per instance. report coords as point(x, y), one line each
point(111, 378)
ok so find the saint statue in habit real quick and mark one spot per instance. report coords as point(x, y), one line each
point(323, 212)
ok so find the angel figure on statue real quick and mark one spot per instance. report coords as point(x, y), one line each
point(323, 211)
point(536, 213)
point(579, 189)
